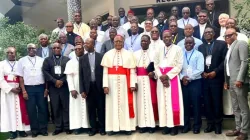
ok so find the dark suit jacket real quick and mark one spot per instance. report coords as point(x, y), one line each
point(180, 36)
point(105, 27)
point(39, 51)
point(218, 55)
point(140, 30)
point(197, 32)
point(71, 38)
point(85, 73)
point(214, 18)
point(106, 46)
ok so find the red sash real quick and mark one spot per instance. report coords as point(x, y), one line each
point(174, 95)
point(124, 71)
point(24, 114)
point(141, 71)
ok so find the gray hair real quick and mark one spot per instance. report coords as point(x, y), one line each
point(186, 8)
point(31, 45)
point(43, 36)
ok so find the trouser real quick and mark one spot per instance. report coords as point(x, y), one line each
point(60, 104)
point(96, 104)
point(37, 108)
point(213, 102)
point(192, 96)
point(240, 106)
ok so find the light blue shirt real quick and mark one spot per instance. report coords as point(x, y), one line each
point(98, 46)
point(45, 52)
point(122, 20)
point(197, 42)
point(192, 59)
point(133, 43)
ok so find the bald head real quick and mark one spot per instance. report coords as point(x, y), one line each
point(69, 27)
point(57, 48)
point(186, 12)
point(150, 14)
point(89, 43)
point(93, 24)
point(11, 53)
point(188, 30)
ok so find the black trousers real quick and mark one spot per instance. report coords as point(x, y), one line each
point(37, 108)
point(192, 96)
point(96, 104)
point(213, 101)
point(59, 99)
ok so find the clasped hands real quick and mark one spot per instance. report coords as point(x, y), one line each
point(165, 80)
point(59, 83)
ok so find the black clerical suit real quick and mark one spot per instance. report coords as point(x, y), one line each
point(59, 97)
point(91, 83)
point(71, 38)
point(213, 88)
point(197, 32)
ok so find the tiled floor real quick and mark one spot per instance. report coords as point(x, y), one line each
point(135, 136)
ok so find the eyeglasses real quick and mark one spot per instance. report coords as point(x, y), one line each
point(154, 31)
point(229, 35)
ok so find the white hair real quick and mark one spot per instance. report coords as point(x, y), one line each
point(43, 36)
point(186, 8)
point(224, 15)
point(31, 45)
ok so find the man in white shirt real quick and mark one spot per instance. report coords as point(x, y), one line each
point(133, 43)
point(33, 89)
point(231, 23)
point(150, 16)
point(155, 41)
point(123, 18)
point(60, 27)
point(120, 30)
point(186, 19)
point(148, 27)
point(93, 25)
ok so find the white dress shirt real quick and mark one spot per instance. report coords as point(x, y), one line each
point(228, 57)
point(240, 36)
point(202, 29)
point(222, 31)
point(183, 22)
point(59, 30)
point(30, 68)
point(155, 23)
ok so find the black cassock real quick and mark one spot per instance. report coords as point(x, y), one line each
point(59, 97)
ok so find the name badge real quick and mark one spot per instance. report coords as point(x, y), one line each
point(10, 77)
point(189, 71)
point(208, 60)
point(58, 70)
point(33, 71)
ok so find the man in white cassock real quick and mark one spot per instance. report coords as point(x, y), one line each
point(147, 111)
point(155, 41)
point(119, 82)
point(78, 114)
point(168, 64)
point(14, 117)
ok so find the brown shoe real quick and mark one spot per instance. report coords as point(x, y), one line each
point(232, 133)
point(242, 136)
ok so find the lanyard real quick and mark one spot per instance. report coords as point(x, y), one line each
point(78, 26)
point(184, 22)
point(45, 54)
point(12, 66)
point(133, 41)
point(66, 45)
point(210, 49)
point(32, 62)
point(211, 23)
point(188, 60)
point(167, 50)
point(175, 38)
point(56, 62)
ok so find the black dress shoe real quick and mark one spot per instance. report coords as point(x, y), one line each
point(196, 131)
point(209, 129)
point(111, 133)
point(174, 131)
point(143, 130)
point(151, 130)
point(68, 132)
point(103, 133)
point(166, 131)
point(56, 132)
point(22, 134)
point(77, 131)
point(33, 135)
point(128, 132)
point(217, 130)
point(92, 133)
point(44, 133)
point(185, 130)
point(13, 135)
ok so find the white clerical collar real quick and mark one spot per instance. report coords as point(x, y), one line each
point(91, 53)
